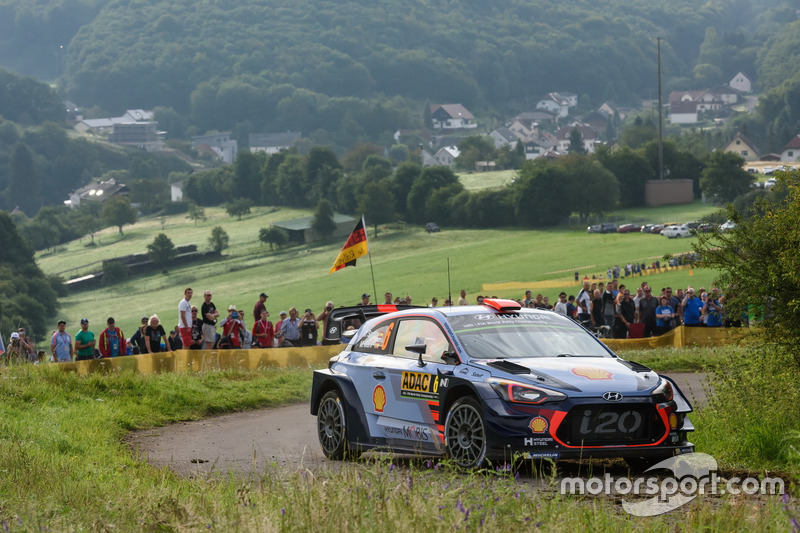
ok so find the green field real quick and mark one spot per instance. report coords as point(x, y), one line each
point(406, 261)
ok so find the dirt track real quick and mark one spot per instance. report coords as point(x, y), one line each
point(285, 436)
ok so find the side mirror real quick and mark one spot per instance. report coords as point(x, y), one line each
point(419, 349)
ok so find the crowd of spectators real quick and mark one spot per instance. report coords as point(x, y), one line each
point(609, 308)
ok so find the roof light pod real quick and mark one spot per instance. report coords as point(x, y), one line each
point(503, 305)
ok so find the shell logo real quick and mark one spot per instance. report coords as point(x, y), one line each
point(594, 374)
point(379, 398)
point(538, 424)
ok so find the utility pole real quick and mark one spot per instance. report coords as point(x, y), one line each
point(660, 120)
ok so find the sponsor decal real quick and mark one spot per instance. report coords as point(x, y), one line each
point(379, 398)
point(419, 385)
point(416, 433)
point(464, 371)
point(538, 424)
point(444, 382)
point(541, 455)
point(391, 430)
point(592, 373)
point(538, 441)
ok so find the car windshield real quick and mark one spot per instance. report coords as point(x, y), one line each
point(517, 336)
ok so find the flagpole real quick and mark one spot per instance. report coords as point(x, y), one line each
point(369, 254)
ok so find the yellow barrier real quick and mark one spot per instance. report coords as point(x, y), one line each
point(679, 337)
point(204, 360)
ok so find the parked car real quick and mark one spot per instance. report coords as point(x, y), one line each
point(657, 228)
point(593, 229)
point(432, 227)
point(728, 225)
point(628, 228)
point(646, 228)
point(677, 231)
point(608, 227)
point(482, 383)
point(770, 184)
point(704, 227)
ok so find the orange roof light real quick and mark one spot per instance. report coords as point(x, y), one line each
point(502, 304)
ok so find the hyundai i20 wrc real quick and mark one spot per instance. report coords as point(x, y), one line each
point(485, 383)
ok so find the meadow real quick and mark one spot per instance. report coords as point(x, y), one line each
point(67, 468)
point(405, 261)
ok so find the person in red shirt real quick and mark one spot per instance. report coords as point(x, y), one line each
point(263, 332)
point(112, 341)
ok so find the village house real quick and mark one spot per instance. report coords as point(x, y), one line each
point(558, 103)
point(791, 152)
point(451, 117)
point(741, 83)
point(588, 135)
point(219, 145)
point(272, 143)
point(741, 145)
point(97, 192)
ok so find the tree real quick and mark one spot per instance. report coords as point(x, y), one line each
point(114, 272)
point(195, 213)
point(724, 179)
point(322, 223)
point(576, 142)
point(376, 203)
point(538, 194)
point(218, 240)
point(590, 189)
point(429, 180)
point(161, 251)
point(118, 211)
point(239, 207)
point(759, 265)
point(274, 236)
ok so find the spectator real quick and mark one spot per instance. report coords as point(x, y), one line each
point(692, 309)
point(112, 341)
point(278, 325)
point(572, 309)
point(462, 300)
point(609, 307)
point(154, 335)
point(260, 306)
point(665, 316)
point(387, 299)
point(597, 309)
point(175, 340)
point(323, 316)
point(16, 352)
point(713, 310)
point(647, 311)
point(61, 344)
point(625, 315)
point(448, 302)
point(28, 347)
point(232, 326)
point(197, 331)
point(561, 305)
point(308, 329)
point(84, 342)
point(263, 331)
point(538, 303)
point(675, 304)
point(138, 338)
point(364, 300)
point(290, 329)
point(584, 303)
point(185, 317)
point(210, 314)
point(526, 302)
point(434, 302)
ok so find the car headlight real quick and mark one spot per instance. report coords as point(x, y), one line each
point(513, 391)
point(664, 392)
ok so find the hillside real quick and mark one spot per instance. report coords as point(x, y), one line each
point(263, 64)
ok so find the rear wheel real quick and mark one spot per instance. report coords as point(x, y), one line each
point(332, 426)
point(465, 433)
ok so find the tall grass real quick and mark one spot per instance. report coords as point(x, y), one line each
point(65, 468)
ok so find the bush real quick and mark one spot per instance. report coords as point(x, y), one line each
point(114, 272)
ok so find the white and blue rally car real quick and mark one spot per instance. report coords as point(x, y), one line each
point(491, 382)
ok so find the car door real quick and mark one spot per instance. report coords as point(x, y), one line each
point(412, 415)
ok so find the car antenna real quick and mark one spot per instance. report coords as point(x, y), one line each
point(449, 290)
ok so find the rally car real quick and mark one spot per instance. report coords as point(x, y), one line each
point(485, 383)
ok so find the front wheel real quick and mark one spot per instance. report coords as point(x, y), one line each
point(332, 426)
point(465, 433)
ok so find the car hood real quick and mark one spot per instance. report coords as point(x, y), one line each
point(587, 375)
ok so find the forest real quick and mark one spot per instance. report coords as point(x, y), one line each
point(354, 70)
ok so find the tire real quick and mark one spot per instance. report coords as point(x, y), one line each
point(332, 426)
point(465, 433)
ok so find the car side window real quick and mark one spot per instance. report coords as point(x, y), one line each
point(420, 331)
point(377, 340)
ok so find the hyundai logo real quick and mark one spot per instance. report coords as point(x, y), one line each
point(612, 396)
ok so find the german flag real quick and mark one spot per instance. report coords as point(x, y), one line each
point(355, 247)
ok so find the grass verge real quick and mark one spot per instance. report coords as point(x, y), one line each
point(65, 469)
